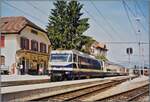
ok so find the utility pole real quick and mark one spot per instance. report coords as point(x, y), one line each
point(143, 59)
point(139, 44)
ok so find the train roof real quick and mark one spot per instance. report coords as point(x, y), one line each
point(73, 51)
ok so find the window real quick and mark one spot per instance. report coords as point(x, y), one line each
point(42, 47)
point(59, 57)
point(87, 63)
point(24, 43)
point(2, 41)
point(34, 45)
point(2, 60)
point(70, 58)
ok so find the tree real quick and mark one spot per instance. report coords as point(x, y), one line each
point(66, 27)
point(56, 25)
point(102, 57)
point(87, 42)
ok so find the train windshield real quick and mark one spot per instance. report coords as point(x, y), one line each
point(61, 57)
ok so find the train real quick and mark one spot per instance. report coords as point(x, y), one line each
point(113, 67)
point(73, 64)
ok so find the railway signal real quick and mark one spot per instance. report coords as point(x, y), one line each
point(129, 52)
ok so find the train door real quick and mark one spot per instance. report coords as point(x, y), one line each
point(78, 66)
point(75, 62)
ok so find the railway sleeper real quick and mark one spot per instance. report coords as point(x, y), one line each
point(137, 96)
point(124, 95)
point(74, 95)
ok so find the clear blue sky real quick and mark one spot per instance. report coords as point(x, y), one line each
point(37, 11)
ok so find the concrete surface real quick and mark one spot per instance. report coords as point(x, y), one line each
point(34, 91)
point(44, 85)
point(120, 88)
point(6, 78)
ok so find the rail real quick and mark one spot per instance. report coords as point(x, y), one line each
point(126, 96)
point(82, 93)
point(138, 95)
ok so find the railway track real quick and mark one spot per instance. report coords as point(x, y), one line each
point(139, 96)
point(81, 94)
point(128, 96)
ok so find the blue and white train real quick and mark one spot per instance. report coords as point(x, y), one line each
point(72, 64)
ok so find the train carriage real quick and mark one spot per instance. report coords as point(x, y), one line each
point(72, 64)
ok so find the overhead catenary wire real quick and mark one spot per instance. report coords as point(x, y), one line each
point(139, 34)
point(126, 62)
point(135, 55)
point(134, 15)
point(101, 26)
point(127, 13)
point(105, 19)
point(126, 42)
point(44, 13)
point(140, 9)
point(20, 10)
point(108, 23)
point(38, 9)
point(142, 13)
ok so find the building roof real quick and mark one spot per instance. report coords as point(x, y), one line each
point(14, 24)
point(100, 45)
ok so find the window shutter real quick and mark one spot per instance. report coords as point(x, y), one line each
point(37, 48)
point(27, 44)
point(21, 43)
point(31, 44)
point(45, 48)
point(40, 47)
point(2, 42)
point(2, 60)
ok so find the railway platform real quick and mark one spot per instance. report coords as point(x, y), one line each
point(123, 87)
point(14, 80)
point(35, 91)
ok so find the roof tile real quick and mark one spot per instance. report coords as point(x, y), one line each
point(14, 24)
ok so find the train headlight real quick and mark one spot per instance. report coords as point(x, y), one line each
point(67, 72)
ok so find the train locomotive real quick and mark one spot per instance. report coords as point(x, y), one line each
point(72, 64)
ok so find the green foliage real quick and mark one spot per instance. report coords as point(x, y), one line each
point(66, 27)
point(102, 57)
point(87, 42)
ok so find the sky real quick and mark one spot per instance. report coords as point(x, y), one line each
point(108, 23)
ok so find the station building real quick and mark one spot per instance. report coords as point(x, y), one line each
point(25, 47)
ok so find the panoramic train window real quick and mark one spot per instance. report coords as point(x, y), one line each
point(59, 57)
point(70, 58)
